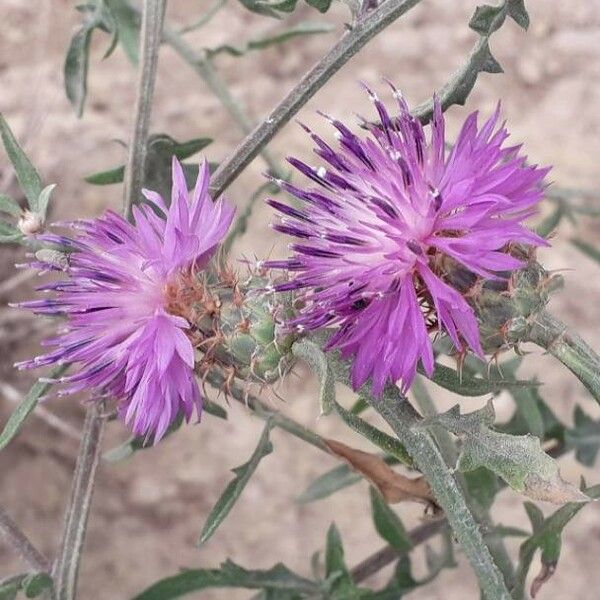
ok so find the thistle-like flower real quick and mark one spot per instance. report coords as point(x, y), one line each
point(389, 211)
point(121, 334)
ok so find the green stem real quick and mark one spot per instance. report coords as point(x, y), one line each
point(555, 337)
point(402, 418)
point(348, 45)
point(150, 39)
point(66, 568)
point(448, 449)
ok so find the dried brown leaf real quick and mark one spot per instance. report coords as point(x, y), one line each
point(393, 486)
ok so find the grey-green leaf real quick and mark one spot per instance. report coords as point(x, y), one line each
point(519, 460)
point(9, 233)
point(8, 205)
point(36, 584)
point(107, 177)
point(518, 12)
point(388, 524)
point(330, 482)
point(17, 418)
point(28, 177)
point(235, 487)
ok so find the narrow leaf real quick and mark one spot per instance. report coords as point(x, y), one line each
point(235, 488)
point(44, 200)
point(10, 206)
point(330, 482)
point(466, 384)
point(388, 524)
point(518, 12)
point(17, 418)
point(107, 177)
point(316, 360)
point(28, 177)
point(76, 67)
point(9, 233)
point(272, 39)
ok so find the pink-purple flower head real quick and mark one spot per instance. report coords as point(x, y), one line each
point(120, 333)
point(385, 208)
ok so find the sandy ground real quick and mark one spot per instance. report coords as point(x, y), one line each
point(148, 511)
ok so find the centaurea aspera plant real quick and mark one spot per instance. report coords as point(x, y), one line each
point(407, 240)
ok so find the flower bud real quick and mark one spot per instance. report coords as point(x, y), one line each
point(30, 223)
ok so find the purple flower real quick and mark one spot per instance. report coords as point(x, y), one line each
point(387, 212)
point(121, 332)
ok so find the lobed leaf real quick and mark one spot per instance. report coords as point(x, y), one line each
point(519, 460)
point(235, 487)
point(230, 575)
point(584, 437)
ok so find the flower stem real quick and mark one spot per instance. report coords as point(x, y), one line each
point(402, 418)
point(20, 543)
point(348, 45)
point(555, 337)
point(67, 566)
point(150, 39)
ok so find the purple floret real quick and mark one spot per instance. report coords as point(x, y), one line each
point(387, 208)
point(119, 334)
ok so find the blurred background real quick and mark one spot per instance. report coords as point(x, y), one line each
point(148, 511)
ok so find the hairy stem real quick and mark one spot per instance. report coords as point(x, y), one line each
point(67, 566)
point(20, 543)
point(150, 39)
point(449, 452)
point(555, 337)
point(348, 45)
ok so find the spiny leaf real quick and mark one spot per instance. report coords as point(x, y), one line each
point(28, 177)
point(229, 575)
point(272, 39)
point(18, 416)
point(235, 487)
point(584, 437)
point(393, 486)
point(487, 19)
point(466, 384)
point(316, 359)
point(388, 524)
point(546, 537)
point(519, 460)
point(518, 12)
